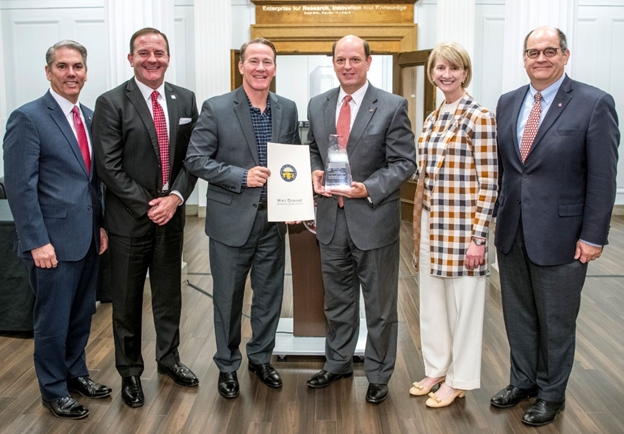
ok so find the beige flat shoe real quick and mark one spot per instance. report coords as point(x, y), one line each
point(435, 402)
point(420, 390)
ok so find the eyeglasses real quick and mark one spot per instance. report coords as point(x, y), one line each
point(533, 53)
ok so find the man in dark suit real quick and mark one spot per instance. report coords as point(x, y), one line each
point(229, 149)
point(557, 144)
point(141, 130)
point(54, 196)
point(358, 228)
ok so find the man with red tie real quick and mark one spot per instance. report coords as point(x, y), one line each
point(358, 228)
point(141, 130)
point(53, 192)
point(557, 145)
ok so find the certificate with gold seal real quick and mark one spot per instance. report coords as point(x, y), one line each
point(289, 188)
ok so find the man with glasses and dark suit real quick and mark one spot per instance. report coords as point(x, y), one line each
point(557, 144)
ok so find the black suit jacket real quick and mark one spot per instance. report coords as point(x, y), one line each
point(128, 156)
point(566, 188)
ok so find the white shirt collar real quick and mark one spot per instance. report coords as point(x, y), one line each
point(357, 96)
point(146, 91)
point(65, 105)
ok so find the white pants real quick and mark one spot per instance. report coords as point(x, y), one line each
point(451, 321)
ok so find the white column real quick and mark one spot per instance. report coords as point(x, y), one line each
point(523, 16)
point(455, 22)
point(213, 41)
point(123, 18)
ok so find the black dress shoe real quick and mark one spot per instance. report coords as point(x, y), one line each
point(228, 384)
point(323, 379)
point(88, 388)
point(66, 407)
point(542, 412)
point(510, 396)
point(266, 373)
point(180, 374)
point(131, 391)
point(377, 393)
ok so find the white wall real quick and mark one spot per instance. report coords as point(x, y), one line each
point(29, 27)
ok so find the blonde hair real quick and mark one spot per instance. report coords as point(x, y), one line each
point(455, 55)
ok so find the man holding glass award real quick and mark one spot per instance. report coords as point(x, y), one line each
point(362, 150)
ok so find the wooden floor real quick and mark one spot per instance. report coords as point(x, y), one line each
point(595, 398)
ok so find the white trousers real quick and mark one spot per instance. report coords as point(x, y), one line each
point(451, 321)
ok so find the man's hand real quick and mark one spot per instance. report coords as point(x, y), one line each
point(357, 191)
point(44, 256)
point(163, 208)
point(475, 256)
point(317, 182)
point(257, 176)
point(103, 241)
point(585, 252)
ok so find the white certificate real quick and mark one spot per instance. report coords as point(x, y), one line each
point(289, 188)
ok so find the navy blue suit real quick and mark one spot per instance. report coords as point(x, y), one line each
point(54, 199)
point(564, 192)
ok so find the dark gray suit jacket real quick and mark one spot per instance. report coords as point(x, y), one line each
point(223, 146)
point(566, 188)
point(382, 155)
point(128, 156)
point(52, 197)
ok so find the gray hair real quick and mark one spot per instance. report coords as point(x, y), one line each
point(69, 44)
point(563, 41)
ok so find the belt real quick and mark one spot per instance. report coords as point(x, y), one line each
point(162, 192)
point(262, 206)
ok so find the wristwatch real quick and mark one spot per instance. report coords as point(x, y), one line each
point(479, 241)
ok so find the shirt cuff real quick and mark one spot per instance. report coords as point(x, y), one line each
point(591, 244)
point(245, 178)
point(177, 193)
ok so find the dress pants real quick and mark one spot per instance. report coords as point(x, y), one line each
point(264, 254)
point(540, 305)
point(64, 305)
point(344, 268)
point(451, 321)
point(160, 252)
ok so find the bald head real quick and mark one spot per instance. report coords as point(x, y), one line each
point(352, 38)
point(563, 41)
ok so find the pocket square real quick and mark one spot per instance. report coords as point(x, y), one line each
point(184, 121)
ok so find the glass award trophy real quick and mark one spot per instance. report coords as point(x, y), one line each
point(337, 169)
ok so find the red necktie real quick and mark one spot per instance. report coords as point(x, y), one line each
point(81, 134)
point(163, 138)
point(343, 128)
point(530, 129)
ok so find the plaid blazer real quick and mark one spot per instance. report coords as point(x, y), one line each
point(463, 184)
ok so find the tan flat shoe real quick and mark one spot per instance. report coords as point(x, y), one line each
point(420, 390)
point(435, 402)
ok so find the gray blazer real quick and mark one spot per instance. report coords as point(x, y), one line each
point(223, 145)
point(382, 155)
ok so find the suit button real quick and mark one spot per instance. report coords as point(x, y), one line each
point(518, 202)
point(524, 175)
point(89, 207)
point(255, 205)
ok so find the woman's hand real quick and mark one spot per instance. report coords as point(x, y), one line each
point(475, 256)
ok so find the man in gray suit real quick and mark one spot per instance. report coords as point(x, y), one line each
point(358, 228)
point(229, 149)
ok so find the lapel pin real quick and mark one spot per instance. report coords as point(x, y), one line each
point(560, 104)
point(173, 97)
point(370, 110)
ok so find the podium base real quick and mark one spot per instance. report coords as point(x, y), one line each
point(287, 344)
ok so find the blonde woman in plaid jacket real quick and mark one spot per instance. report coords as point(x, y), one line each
point(457, 186)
